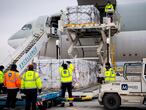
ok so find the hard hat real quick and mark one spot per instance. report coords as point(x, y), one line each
point(64, 65)
point(13, 66)
point(107, 64)
point(108, 1)
point(1, 67)
point(68, 62)
point(30, 66)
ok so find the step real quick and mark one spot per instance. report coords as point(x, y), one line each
point(88, 58)
point(85, 46)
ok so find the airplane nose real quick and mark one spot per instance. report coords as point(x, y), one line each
point(19, 38)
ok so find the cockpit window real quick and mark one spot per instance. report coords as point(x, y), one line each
point(26, 27)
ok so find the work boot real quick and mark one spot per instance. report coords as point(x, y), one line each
point(63, 104)
point(144, 101)
point(71, 104)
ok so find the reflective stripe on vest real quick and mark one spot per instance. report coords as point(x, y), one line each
point(31, 80)
point(113, 76)
point(65, 74)
point(109, 8)
point(109, 75)
point(12, 80)
point(1, 77)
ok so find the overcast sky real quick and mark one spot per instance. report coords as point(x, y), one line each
point(15, 13)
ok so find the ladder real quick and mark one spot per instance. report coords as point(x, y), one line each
point(43, 29)
point(24, 55)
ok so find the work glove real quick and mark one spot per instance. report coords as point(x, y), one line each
point(62, 64)
point(40, 90)
point(68, 62)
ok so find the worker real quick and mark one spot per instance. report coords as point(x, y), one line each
point(110, 75)
point(109, 10)
point(12, 82)
point(66, 71)
point(100, 77)
point(30, 84)
point(1, 79)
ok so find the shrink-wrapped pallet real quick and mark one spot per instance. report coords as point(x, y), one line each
point(84, 14)
point(84, 75)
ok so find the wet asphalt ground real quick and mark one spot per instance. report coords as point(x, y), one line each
point(86, 105)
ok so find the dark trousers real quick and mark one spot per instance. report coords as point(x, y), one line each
point(11, 98)
point(67, 86)
point(1, 88)
point(110, 15)
point(31, 99)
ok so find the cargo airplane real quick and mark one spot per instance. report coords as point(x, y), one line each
point(129, 42)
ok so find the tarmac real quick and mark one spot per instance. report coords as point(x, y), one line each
point(91, 105)
point(85, 104)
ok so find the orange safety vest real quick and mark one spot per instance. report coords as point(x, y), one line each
point(12, 80)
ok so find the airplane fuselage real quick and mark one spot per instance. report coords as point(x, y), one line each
point(129, 44)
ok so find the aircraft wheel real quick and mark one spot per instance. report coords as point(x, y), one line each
point(111, 101)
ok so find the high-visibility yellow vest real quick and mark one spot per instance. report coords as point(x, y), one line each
point(113, 75)
point(66, 74)
point(1, 77)
point(110, 75)
point(109, 8)
point(107, 76)
point(31, 80)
